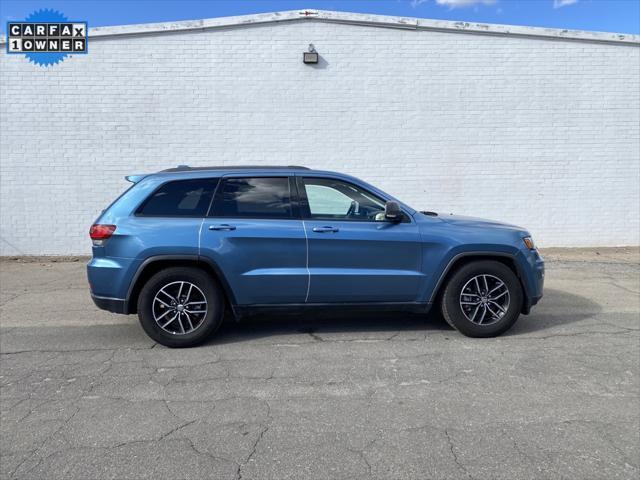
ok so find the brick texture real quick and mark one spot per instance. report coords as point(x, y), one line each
point(538, 132)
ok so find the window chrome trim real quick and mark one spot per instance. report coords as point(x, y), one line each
point(304, 203)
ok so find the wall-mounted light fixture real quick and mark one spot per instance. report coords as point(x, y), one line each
point(311, 56)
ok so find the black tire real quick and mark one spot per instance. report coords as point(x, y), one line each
point(209, 322)
point(453, 312)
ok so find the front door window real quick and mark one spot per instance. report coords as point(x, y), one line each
point(330, 199)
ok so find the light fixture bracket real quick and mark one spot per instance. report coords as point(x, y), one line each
point(310, 56)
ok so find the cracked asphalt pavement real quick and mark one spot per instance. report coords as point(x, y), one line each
point(86, 394)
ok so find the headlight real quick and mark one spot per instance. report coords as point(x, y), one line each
point(528, 241)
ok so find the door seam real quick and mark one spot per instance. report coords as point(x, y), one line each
point(306, 238)
point(200, 237)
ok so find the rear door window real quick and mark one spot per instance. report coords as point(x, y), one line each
point(259, 197)
point(181, 198)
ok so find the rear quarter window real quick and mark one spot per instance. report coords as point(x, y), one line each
point(180, 198)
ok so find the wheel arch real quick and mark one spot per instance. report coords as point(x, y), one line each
point(465, 258)
point(153, 265)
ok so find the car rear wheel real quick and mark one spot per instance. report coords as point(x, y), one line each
point(482, 299)
point(180, 307)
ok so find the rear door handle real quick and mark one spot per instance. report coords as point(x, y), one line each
point(326, 229)
point(223, 227)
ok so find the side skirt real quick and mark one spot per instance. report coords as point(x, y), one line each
point(242, 311)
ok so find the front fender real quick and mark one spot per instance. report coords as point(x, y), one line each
point(455, 255)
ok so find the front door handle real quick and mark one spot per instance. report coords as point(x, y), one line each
point(224, 227)
point(326, 229)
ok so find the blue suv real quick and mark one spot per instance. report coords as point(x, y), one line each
point(182, 246)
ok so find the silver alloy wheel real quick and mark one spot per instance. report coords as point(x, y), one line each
point(179, 308)
point(484, 299)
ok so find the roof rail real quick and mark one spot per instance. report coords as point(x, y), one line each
point(186, 168)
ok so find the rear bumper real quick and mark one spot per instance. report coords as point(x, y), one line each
point(115, 305)
point(109, 279)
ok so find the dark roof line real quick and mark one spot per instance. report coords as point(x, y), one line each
point(187, 168)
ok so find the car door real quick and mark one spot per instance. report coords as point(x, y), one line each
point(355, 255)
point(256, 237)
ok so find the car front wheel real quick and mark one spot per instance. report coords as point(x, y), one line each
point(180, 307)
point(482, 299)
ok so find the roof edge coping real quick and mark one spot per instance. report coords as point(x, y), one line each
point(363, 19)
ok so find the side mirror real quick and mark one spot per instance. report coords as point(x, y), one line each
point(392, 212)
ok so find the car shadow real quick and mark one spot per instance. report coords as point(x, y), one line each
point(556, 308)
point(357, 325)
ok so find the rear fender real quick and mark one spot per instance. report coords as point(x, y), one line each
point(158, 261)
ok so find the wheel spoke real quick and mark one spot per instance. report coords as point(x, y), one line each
point(188, 320)
point(163, 303)
point(499, 295)
point(484, 312)
point(183, 314)
point(497, 305)
point(172, 319)
point(484, 299)
point(164, 315)
point(170, 297)
point(500, 285)
point(494, 314)
point(188, 294)
point(180, 323)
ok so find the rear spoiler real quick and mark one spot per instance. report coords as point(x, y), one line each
point(135, 178)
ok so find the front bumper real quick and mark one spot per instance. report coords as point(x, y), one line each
point(535, 281)
point(115, 305)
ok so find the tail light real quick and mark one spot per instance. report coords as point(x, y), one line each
point(99, 233)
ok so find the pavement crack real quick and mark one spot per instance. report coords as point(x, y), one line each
point(31, 453)
point(455, 456)
point(629, 329)
point(312, 334)
point(252, 453)
point(363, 457)
point(129, 442)
point(200, 452)
point(28, 291)
point(597, 427)
point(626, 331)
point(73, 350)
point(393, 336)
point(42, 444)
point(174, 430)
point(629, 290)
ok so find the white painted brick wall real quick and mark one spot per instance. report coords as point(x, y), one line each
point(538, 132)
